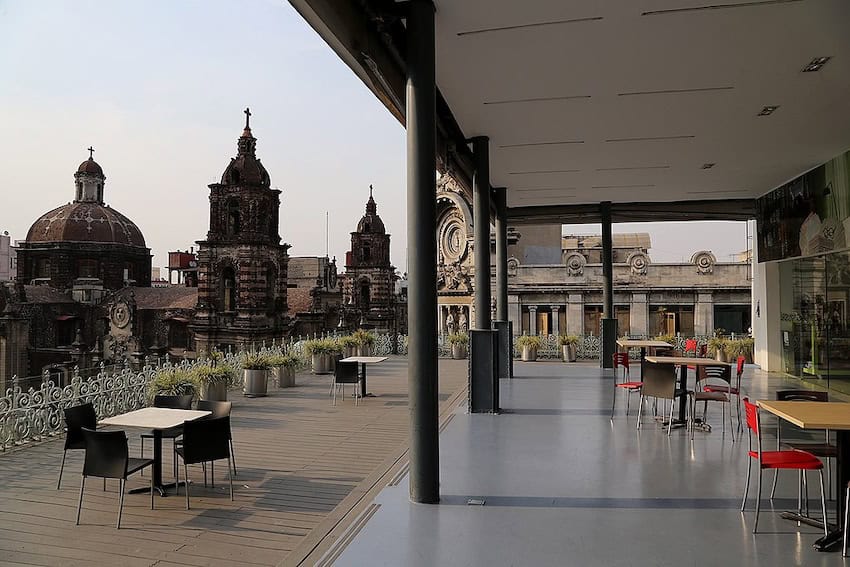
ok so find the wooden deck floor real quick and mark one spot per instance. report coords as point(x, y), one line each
point(302, 466)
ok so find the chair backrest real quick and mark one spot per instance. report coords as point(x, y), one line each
point(621, 359)
point(740, 370)
point(659, 380)
point(76, 418)
point(717, 373)
point(206, 439)
point(106, 453)
point(346, 373)
point(172, 402)
point(691, 346)
point(218, 409)
point(801, 396)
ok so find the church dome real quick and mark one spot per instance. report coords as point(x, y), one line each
point(90, 166)
point(85, 222)
point(246, 168)
point(371, 222)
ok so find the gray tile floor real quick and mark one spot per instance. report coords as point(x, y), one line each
point(565, 486)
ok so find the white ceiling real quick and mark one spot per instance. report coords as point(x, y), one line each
point(582, 142)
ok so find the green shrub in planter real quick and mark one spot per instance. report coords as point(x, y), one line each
point(669, 339)
point(348, 344)
point(321, 352)
point(255, 374)
point(365, 341)
point(255, 361)
point(173, 382)
point(214, 381)
point(569, 344)
point(459, 343)
point(283, 369)
point(529, 344)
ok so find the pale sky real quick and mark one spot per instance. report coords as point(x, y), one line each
point(158, 88)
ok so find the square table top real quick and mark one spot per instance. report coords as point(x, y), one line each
point(643, 343)
point(686, 361)
point(154, 418)
point(365, 359)
point(810, 415)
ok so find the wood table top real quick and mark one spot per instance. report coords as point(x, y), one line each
point(155, 418)
point(686, 360)
point(810, 415)
point(643, 343)
point(365, 359)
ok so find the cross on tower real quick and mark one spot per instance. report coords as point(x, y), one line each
point(370, 190)
point(91, 152)
point(247, 117)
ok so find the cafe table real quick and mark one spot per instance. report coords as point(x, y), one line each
point(364, 360)
point(821, 415)
point(643, 344)
point(157, 420)
point(683, 362)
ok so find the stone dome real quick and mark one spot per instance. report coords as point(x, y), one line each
point(371, 222)
point(86, 222)
point(90, 166)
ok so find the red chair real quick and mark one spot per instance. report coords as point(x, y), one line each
point(792, 459)
point(731, 390)
point(621, 359)
point(690, 346)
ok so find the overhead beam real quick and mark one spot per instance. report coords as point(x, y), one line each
point(707, 210)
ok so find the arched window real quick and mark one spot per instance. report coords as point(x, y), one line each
point(233, 220)
point(366, 254)
point(365, 294)
point(228, 289)
point(42, 268)
point(87, 268)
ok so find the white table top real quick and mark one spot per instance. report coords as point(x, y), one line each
point(365, 359)
point(685, 360)
point(643, 343)
point(154, 418)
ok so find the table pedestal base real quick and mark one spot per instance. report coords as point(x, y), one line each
point(161, 488)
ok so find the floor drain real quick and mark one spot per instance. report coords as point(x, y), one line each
point(475, 502)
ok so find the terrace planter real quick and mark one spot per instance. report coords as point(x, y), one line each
point(364, 350)
point(349, 351)
point(321, 363)
point(214, 392)
point(284, 376)
point(529, 354)
point(255, 383)
point(569, 353)
point(459, 352)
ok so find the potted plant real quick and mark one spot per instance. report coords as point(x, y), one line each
point(283, 369)
point(255, 375)
point(175, 381)
point(569, 345)
point(320, 352)
point(529, 345)
point(365, 341)
point(717, 348)
point(348, 344)
point(459, 343)
point(213, 381)
point(748, 345)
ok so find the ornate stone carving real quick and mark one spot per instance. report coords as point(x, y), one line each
point(575, 264)
point(513, 264)
point(453, 276)
point(638, 262)
point(704, 260)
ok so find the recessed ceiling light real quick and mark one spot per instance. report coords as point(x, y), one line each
point(767, 110)
point(708, 165)
point(815, 64)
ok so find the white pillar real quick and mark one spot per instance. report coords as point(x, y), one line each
point(532, 319)
point(704, 314)
point(575, 314)
point(766, 305)
point(556, 324)
point(639, 315)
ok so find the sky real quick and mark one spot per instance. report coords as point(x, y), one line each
point(158, 87)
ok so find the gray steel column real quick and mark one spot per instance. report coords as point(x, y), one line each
point(422, 269)
point(481, 230)
point(500, 200)
point(609, 323)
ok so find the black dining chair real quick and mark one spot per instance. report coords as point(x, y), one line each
point(659, 382)
point(220, 409)
point(205, 441)
point(76, 418)
point(346, 373)
point(107, 456)
point(170, 402)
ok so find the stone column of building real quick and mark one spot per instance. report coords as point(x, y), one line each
point(532, 319)
point(556, 323)
point(515, 314)
point(575, 314)
point(609, 323)
point(704, 314)
point(14, 345)
point(638, 315)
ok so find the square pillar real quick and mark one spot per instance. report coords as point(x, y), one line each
point(575, 314)
point(532, 319)
point(704, 314)
point(639, 315)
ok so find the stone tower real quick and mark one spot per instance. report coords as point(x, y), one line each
point(242, 265)
point(369, 281)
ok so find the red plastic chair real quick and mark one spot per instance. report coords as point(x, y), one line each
point(792, 459)
point(621, 359)
point(690, 346)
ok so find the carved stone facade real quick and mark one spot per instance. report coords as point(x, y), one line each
point(242, 263)
point(368, 284)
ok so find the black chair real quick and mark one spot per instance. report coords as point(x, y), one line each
point(205, 441)
point(659, 382)
point(220, 409)
point(170, 402)
point(76, 418)
point(107, 456)
point(346, 373)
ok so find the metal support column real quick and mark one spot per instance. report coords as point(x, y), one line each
point(421, 224)
point(609, 323)
point(504, 348)
point(483, 372)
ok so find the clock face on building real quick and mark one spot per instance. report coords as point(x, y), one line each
point(120, 314)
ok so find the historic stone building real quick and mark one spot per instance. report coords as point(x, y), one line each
point(242, 263)
point(84, 239)
point(368, 284)
point(555, 282)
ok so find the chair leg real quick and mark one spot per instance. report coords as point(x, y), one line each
point(747, 486)
point(177, 486)
point(628, 402)
point(142, 453)
point(80, 503)
point(823, 505)
point(758, 502)
point(186, 476)
point(614, 400)
point(846, 517)
point(670, 422)
point(120, 502)
point(640, 410)
point(233, 457)
point(212, 474)
point(230, 478)
point(61, 468)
